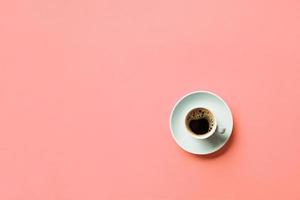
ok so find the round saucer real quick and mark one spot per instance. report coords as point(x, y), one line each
point(207, 100)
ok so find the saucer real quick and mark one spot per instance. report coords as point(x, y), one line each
point(216, 105)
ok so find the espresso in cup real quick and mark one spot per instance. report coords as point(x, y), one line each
point(201, 123)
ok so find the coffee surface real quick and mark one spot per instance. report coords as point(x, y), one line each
point(199, 126)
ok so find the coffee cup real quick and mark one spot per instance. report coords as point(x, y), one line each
point(201, 123)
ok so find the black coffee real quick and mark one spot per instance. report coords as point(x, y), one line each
point(199, 126)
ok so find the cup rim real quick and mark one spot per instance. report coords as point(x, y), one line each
point(202, 136)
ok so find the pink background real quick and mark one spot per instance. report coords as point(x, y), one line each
point(70, 69)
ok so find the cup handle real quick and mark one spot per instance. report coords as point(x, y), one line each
point(222, 130)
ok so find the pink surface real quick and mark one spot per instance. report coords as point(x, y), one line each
point(70, 69)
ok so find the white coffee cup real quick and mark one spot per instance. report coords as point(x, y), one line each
point(201, 123)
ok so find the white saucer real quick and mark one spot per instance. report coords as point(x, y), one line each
point(210, 101)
